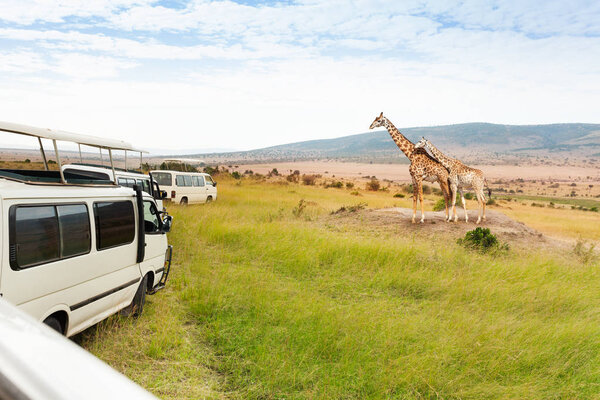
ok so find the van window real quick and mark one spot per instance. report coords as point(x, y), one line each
point(179, 180)
point(151, 220)
point(122, 182)
point(74, 223)
point(41, 234)
point(209, 180)
point(163, 178)
point(115, 223)
point(187, 180)
point(36, 236)
point(198, 180)
point(144, 184)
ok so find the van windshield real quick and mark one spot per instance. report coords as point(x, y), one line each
point(163, 178)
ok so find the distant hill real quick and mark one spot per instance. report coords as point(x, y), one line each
point(471, 141)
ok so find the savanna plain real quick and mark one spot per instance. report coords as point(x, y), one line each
point(282, 290)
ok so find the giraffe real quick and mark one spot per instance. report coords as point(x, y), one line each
point(422, 166)
point(461, 176)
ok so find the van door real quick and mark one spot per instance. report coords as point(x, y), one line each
point(200, 188)
point(211, 189)
point(156, 242)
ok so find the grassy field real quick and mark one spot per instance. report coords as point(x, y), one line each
point(272, 300)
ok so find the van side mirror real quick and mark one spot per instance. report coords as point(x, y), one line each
point(215, 184)
point(167, 223)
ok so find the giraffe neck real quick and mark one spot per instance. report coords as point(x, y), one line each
point(407, 147)
point(441, 157)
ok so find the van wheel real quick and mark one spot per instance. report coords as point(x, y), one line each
point(209, 199)
point(183, 201)
point(54, 323)
point(137, 304)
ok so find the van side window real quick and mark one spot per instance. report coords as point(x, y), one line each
point(179, 181)
point(115, 223)
point(75, 235)
point(42, 234)
point(36, 236)
point(209, 180)
point(198, 180)
point(145, 185)
point(188, 180)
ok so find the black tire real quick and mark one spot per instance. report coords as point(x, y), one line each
point(54, 323)
point(136, 307)
point(184, 201)
point(209, 199)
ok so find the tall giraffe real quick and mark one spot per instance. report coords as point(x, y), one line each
point(461, 176)
point(422, 166)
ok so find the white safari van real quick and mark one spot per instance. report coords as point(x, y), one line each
point(186, 187)
point(75, 249)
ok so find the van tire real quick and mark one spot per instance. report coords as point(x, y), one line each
point(184, 201)
point(209, 199)
point(136, 307)
point(55, 324)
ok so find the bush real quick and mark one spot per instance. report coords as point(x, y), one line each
point(491, 202)
point(355, 193)
point(481, 239)
point(584, 251)
point(292, 178)
point(427, 189)
point(274, 172)
point(469, 196)
point(349, 185)
point(27, 161)
point(309, 179)
point(373, 185)
point(351, 209)
point(207, 170)
point(399, 195)
point(439, 205)
point(236, 175)
point(334, 184)
point(299, 209)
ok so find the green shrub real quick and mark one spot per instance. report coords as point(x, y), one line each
point(400, 195)
point(491, 202)
point(469, 196)
point(439, 205)
point(351, 209)
point(236, 175)
point(299, 209)
point(481, 239)
point(349, 185)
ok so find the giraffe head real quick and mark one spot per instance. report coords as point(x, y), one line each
point(421, 143)
point(379, 121)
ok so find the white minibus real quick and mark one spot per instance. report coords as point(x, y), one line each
point(76, 249)
point(186, 187)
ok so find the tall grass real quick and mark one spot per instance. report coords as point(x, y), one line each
point(269, 305)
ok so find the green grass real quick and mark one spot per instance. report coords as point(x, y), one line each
point(266, 304)
point(573, 201)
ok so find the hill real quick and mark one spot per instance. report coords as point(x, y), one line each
point(472, 141)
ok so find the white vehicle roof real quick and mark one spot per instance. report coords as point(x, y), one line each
point(38, 363)
point(106, 170)
point(52, 134)
point(18, 190)
point(179, 172)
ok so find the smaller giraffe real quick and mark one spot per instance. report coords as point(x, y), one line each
point(461, 176)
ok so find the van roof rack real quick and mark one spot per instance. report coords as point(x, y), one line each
point(54, 135)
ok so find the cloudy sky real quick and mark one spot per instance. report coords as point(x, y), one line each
point(247, 74)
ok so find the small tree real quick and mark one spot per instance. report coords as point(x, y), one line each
point(373, 185)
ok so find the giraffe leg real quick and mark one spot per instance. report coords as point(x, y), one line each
point(484, 201)
point(480, 204)
point(415, 195)
point(421, 200)
point(446, 193)
point(464, 203)
point(454, 190)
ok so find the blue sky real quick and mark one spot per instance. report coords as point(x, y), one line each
point(245, 74)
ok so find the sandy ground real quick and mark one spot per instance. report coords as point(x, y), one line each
point(399, 172)
point(398, 221)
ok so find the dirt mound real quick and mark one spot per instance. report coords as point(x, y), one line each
point(398, 220)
